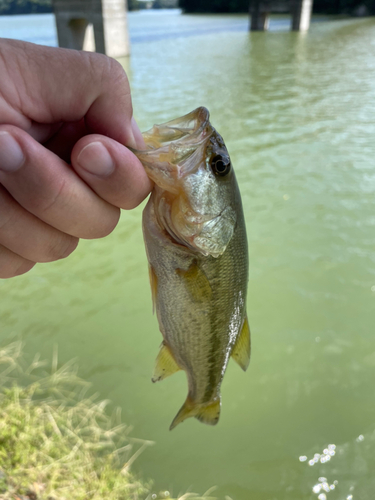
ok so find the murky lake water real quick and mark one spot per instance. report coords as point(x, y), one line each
point(297, 112)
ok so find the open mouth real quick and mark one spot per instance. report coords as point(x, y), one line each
point(173, 148)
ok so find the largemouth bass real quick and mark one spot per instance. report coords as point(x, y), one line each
point(196, 245)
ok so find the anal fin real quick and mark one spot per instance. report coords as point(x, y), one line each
point(165, 364)
point(241, 349)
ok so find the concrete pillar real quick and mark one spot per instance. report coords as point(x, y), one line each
point(116, 34)
point(89, 40)
point(99, 25)
point(301, 14)
point(259, 15)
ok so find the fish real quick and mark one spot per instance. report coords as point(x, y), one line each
point(196, 245)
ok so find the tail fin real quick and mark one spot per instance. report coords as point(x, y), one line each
point(207, 414)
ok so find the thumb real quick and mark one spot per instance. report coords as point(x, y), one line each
point(111, 170)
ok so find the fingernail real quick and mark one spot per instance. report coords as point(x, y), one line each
point(11, 156)
point(138, 138)
point(95, 159)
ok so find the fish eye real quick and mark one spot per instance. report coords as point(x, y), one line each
point(221, 165)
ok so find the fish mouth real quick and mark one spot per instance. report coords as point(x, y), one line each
point(185, 129)
point(176, 148)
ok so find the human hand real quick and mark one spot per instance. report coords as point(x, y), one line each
point(59, 106)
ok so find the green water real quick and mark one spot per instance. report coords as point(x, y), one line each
point(297, 113)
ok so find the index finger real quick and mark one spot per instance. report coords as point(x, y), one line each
point(62, 85)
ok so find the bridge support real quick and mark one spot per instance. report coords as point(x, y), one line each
point(259, 16)
point(94, 25)
point(299, 9)
point(301, 14)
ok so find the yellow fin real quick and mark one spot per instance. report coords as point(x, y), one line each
point(154, 285)
point(207, 414)
point(196, 282)
point(210, 414)
point(165, 364)
point(241, 349)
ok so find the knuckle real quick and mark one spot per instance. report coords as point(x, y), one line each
point(130, 204)
point(134, 200)
point(13, 265)
point(45, 203)
point(116, 77)
point(6, 272)
point(69, 247)
point(106, 69)
point(117, 71)
point(60, 248)
point(24, 268)
point(107, 226)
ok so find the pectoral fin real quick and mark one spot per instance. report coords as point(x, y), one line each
point(196, 282)
point(241, 349)
point(165, 364)
point(207, 414)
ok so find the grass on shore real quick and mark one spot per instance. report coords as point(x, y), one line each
point(58, 443)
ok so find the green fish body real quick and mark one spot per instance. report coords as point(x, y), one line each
point(196, 244)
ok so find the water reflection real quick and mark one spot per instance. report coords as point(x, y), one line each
point(344, 471)
point(322, 458)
